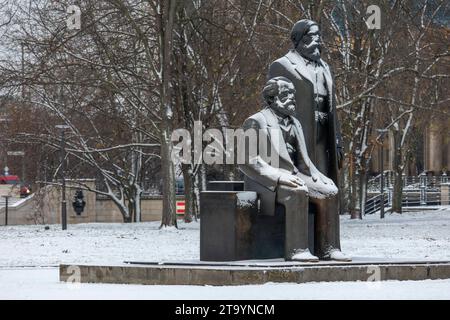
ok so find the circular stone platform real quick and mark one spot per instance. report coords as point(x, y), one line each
point(255, 272)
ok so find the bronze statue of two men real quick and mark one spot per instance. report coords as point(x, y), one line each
point(300, 106)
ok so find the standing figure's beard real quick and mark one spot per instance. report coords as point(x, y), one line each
point(310, 51)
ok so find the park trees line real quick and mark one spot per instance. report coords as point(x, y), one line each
point(136, 70)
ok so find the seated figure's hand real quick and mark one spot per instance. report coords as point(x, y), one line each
point(318, 176)
point(319, 185)
point(291, 180)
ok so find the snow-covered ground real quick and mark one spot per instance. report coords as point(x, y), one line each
point(43, 284)
point(421, 235)
point(418, 236)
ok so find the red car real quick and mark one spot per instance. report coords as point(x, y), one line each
point(15, 180)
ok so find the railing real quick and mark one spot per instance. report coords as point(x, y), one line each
point(409, 182)
point(373, 204)
point(419, 190)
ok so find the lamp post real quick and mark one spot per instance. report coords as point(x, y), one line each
point(382, 132)
point(5, 120)
point(6, 208)
point(63, 179)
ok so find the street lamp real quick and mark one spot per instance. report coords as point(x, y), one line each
point(382, 132)
point(6, 209)
point(63, 168)
point(6, 120)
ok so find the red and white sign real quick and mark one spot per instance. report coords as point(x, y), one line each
point(180, 207)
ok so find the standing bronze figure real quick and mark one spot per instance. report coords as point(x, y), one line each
point(316, 111)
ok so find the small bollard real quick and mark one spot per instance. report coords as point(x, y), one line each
point(422, 187)
point(423, 179)
point(423, 200)
point(444, 177)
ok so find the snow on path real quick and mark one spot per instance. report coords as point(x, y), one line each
point(412, 235)
point(43, 284)
point(421, 235)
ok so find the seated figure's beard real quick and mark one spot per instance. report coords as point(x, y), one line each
point(310, 51)
point(283, 110)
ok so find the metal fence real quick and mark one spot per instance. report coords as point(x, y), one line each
point(409, 182)
point(422, 190)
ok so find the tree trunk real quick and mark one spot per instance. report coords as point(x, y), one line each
point(353, 190)
point(137, 204)
point(131, 209)
point(127, 219)
point(343, 191)
point(169, 217)
point(362, 192)
point(134, 203)
point(126, 214)
point(166, 26)
point(197, 188)
point(129, 203)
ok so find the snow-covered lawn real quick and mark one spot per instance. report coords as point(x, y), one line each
point(421, 235)
point(43, 284)
point(417, 236)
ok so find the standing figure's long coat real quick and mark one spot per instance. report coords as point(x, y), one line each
point(293, 67)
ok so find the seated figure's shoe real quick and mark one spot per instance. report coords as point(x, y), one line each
point(303, 256)
point(336, 255)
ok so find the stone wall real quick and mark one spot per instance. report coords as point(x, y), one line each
point(151, 206)
point(44, 207)
point(22, 213)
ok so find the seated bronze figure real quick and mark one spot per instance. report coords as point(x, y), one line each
point(294, 180)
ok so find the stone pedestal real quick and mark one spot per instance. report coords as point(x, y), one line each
point(225, 225)
point(232, 229)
